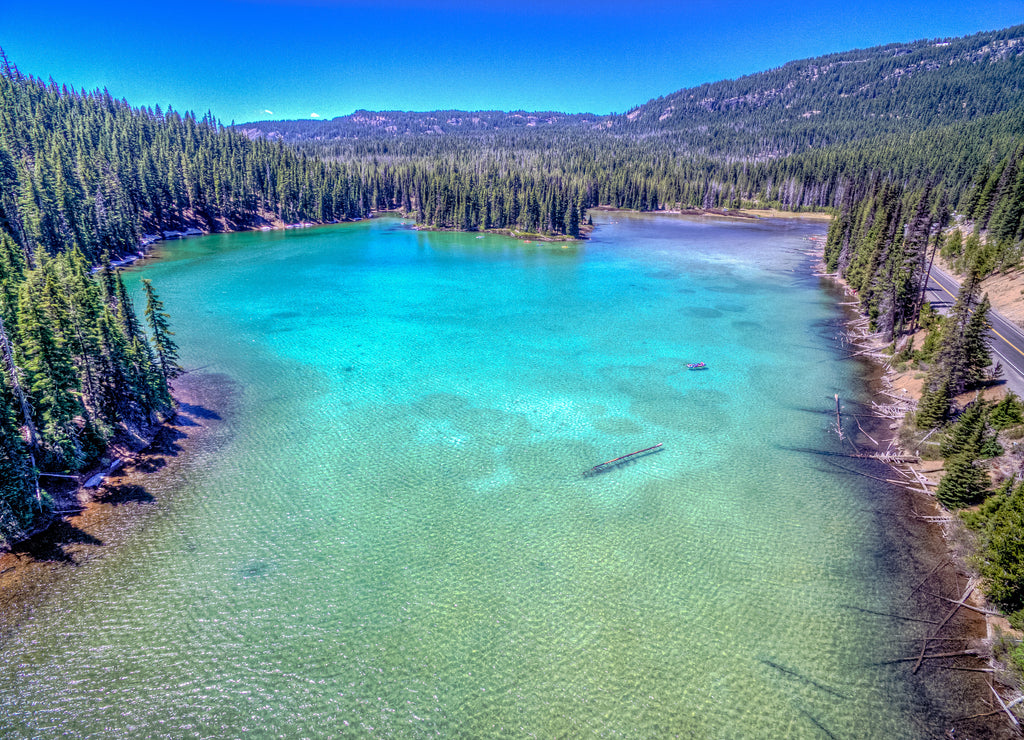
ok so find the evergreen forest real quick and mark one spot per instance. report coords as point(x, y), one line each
point(916, 149)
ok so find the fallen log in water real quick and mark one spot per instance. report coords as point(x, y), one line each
point(608, 464)
point(97, 479)
point(971, 584)
point(957, 654)
point(1002, 704)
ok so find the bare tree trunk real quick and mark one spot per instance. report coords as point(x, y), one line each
point(924, 285)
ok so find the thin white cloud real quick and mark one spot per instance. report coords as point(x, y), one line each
point(270, 112)
point(314, 115)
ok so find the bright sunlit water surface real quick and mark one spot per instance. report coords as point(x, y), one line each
point(388, 533)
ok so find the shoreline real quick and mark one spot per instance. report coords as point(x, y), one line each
point(728, 213)
point(937, 553)
point(191, 229)
point(108, 514)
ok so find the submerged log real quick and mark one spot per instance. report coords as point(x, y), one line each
point(607, 464)
point(930, 574)
point(799, 676)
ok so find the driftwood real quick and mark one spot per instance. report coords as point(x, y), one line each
point(977, 716)
point(902, 473)
point(867, 475)
point(622, 459)
point(964, 668)
point(882, 456)
point(1002, 704)
point(871, 352)
point(923, 480)
point(894, 458)
point(919, 658)
point(887, 614)
point(873, 440)
point(892, 411)
point(898, 397)
point(978, 609)
point(930, 574)
point(924, 646)
point(97, 479)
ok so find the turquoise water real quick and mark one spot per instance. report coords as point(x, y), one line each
point(387, 532)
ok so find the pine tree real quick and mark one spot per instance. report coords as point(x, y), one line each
point(1008, 412)
point(933, 408)
point(975, 344)
point(125, 311)
point(964, 354)
point(964, 435)
point(963, 483)
point(53, 382)
point(18, 486)
point(1002, 550)
point(164, 346)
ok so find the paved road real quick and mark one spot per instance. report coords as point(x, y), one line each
point(1006, 340)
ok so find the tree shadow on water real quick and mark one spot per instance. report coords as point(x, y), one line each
point(50, 544)
point(165, 443)
point(150, 464)
point(123, 494)
point(189, 412)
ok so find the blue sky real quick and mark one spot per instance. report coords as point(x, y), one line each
point(249, 60)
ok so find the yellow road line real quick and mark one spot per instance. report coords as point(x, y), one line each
point(945, 289)
point(989, 326)
point(1005, 339)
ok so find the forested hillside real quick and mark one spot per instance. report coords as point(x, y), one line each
point(802, 105)
point(82, 177)
point(843, 97)
point(802, 136)
point(86, 170)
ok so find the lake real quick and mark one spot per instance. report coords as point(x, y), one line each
point(387, 530)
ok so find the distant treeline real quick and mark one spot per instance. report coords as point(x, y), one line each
point(940, 113)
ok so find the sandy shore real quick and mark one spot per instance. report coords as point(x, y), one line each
point(795, 215)
point(738, 213)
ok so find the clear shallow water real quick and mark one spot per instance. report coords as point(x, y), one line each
point(391, 535)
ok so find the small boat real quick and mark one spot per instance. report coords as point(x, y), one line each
point(697, 366)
